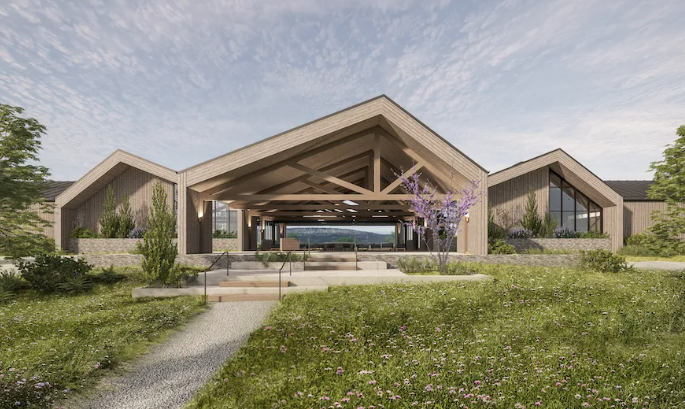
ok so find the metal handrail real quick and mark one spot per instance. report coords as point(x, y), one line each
point(228, 263)
point(356, 256)
point(281, 269)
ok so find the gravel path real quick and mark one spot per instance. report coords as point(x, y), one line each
point(173, 371)
point(659, 265)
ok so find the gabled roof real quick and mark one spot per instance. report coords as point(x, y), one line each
point(569, 168)
point(380, 110)
point(53, 188)
point(106, 171)
point(631, 190)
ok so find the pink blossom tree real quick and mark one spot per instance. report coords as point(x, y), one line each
point(441, 213)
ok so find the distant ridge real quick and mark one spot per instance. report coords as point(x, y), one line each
point(323, 235)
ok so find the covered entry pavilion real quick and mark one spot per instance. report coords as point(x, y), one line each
point(341, 168)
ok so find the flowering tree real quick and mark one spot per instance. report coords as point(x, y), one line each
point(442, 214)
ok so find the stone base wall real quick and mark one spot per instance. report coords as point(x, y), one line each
point(574, 245)
point(224, 244)
point(102, 246)
point(205, 260)
point(124, 246)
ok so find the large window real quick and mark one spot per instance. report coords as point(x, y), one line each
point(571, 208)
point(224, 220)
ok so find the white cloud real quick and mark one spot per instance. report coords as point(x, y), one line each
point(181, 82)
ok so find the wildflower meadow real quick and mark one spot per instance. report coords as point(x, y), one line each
point(530, 338)
point(56, 346)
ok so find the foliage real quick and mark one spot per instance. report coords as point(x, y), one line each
point(591, 234)
point(82, 233)
point(603, 261)
point(442, 216)
point(158, 249)
point(277, 256)
point(548, 251)
point(520, 234)
point(549, 224)
point(108, 276)
point(531, 220)
point(137, 233)
point(532, 337)
point(345, 240)
point(499, 246)
point(564, 233)
point(126, 220)
point(223, 234)
point(649, 244)
point(495, 231)
point(413, 265)
point(459, 268)
point(21, 183)
point(669, 174)
point(109, 220)
point(11, 282)
point(47, 272)
point(75, 285)
point(55, 346)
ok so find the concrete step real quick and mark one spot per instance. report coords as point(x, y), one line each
point(331, 258)
point(242, 297)
point(253, 283)
point(331, 265)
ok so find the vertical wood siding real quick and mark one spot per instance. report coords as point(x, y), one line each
point(139, 187)
point(48, 231)
point(637, 216)
point(510, 197)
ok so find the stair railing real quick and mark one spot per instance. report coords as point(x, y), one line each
point(228, 263)
point(280, 270)
point(356, 256)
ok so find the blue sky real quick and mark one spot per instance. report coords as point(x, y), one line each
point(502, 80)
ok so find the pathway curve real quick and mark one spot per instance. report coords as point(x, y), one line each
point(659, 265)
point(176, 369)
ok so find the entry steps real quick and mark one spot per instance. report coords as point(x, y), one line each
point(335, 261)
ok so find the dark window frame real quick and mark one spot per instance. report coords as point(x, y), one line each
point(576, 191)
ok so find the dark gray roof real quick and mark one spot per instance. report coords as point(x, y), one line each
point(635, 190)
point(54, 188)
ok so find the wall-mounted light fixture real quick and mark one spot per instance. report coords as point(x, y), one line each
point(466, 217)
point(199, 215)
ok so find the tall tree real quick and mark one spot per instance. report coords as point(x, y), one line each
point(21, 185)
point(531, 220)
point(669, 173)
point(158, 249)
point(126, 220)
point(669, 185)
point(109, 220)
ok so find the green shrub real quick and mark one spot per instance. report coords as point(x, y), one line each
point(75, 285)
point(531, 220)
point(47, 272)
point(603, 261)
point(592, 235)
point(412, 265)
point(5, 296)
point(109, 220)
point(223, 234)
point(108, 276)
point(459, 268)
point(651, 245)
point(276, 256)
point(126, 221)
point(82, 233)
point(499, 246)
point(11, 281)
point(549, 224)
point(158, 249)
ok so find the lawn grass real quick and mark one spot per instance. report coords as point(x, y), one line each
point(649, 258)
point(52, 346)
point(532, 337)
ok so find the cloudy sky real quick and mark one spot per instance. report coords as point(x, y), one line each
point(502, 80)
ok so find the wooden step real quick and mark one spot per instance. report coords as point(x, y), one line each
point(255, 284)
point(242, 297)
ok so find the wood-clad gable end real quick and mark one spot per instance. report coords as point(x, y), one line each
point(82, 203)
point(509, 187)
point(345, 166)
